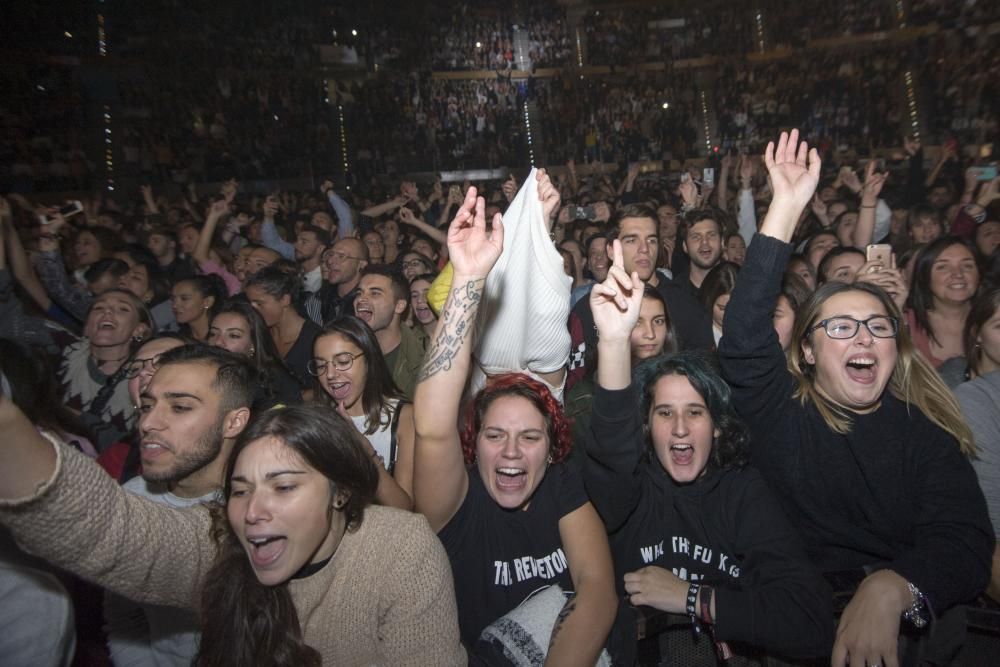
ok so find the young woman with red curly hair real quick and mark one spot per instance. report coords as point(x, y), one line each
point(512, 517)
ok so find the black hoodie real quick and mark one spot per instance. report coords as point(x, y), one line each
point(725, 529)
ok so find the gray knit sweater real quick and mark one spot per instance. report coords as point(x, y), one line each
point(385, 598)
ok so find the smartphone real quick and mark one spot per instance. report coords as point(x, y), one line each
point(708, 176)
point(880, 253)
point(455, 191)
point(685, 177)
point(987, 172)
point(70, 209)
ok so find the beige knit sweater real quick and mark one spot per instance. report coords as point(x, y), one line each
point(385, 598)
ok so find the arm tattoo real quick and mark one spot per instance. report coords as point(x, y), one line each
point(564, 613)
point(459, 316)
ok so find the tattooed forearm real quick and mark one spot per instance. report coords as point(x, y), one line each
point(457, 324)
point(564, 613)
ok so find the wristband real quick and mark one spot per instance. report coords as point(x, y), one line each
point(705, 608)
point(692, 607)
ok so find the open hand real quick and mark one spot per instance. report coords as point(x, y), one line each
point(793, 179)
point(473, 251)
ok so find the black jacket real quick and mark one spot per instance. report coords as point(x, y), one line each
point(725, 529)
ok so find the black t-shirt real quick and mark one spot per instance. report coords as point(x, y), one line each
point(298, 357)
point(499, 557)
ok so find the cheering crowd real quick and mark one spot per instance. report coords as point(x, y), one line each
point(750, 399)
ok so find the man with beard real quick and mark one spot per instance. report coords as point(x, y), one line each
point(703, 245)
point(195, 405)
point(383, 297)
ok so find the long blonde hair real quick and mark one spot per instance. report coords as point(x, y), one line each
point(913, 381)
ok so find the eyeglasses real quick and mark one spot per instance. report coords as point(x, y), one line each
point(341, 362)
point(879, 326)
point(137, 366)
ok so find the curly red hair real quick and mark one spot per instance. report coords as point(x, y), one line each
point(557, 424)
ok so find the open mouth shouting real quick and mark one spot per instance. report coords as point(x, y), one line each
point(862, 368)
point(265, 550)
point(364, 311)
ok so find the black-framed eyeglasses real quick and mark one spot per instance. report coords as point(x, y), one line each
point(341, 362)
point(137, 366)
point(842, 326)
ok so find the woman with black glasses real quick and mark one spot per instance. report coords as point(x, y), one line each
point(350, 370)
point(861, 441)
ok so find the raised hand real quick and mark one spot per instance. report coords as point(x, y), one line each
point(472, 249)
point(602, 211)
point(873, 184)
point(615, 302)
point(406, 215)
point(793, 177)
point(746, 169)
point(850, 178)
point(270, 208)
point(326, 186)
point(548, 195)
point(509, 188)
point(689, 193)
point(911, 145)
point(218, 208)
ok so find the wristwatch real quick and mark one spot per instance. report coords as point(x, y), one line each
point(918, 613)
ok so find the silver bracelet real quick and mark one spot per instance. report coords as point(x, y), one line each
point(916, 613)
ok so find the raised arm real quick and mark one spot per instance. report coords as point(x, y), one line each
point(379, 209)
point(864, 231)
point(52, 273)
point(345, 219)
point(269, 232)
point(750, 355)
point(614, 441)
point(793, 182)
point(12, 251)
point(409, 218)
point(201, 253)
point(440, 480)
point(132, 546)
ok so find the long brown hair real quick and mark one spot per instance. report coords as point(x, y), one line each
point(913, 380)
point(245, 623)
point(379, 389)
